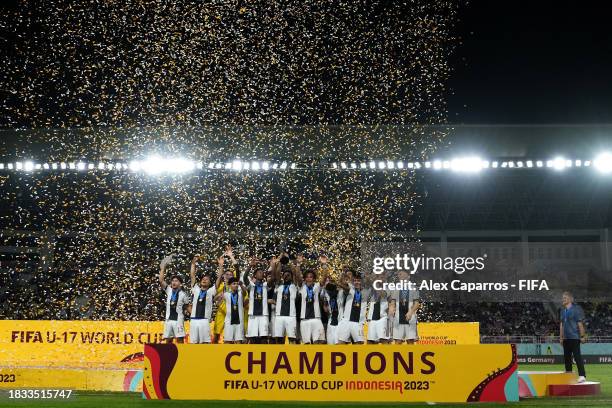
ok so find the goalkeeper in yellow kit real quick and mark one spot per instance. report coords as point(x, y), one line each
point(222, 287)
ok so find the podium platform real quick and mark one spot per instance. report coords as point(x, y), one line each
point(364, 373)
point(537, 384)
point(575, 390)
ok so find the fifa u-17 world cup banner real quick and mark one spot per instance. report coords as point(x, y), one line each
point(392, 373)
point(78, 343)
point(120, 344)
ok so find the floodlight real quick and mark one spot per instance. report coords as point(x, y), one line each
point(603, 162)
point(467, 164)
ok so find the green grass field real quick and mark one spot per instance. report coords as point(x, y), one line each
point(602, 373)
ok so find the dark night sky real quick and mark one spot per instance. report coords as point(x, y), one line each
point(529, 62)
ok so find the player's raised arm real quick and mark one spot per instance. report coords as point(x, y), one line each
point(251, 265)
point(192, 270)
point(220, 262)
point(275, 270)
point(298, 278)
point(243, 287)
point(296, 267)
point(162, 271)
point(229, 251)
point(246, 279)
point(324, 268)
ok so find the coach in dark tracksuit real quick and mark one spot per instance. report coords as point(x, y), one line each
point(572, 334)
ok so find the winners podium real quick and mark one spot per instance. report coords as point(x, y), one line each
point(554, 384)
point(448, 365)
point(360, 373)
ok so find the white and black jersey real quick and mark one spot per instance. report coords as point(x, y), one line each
point(355, 304)
point(258, 298)
point(234, 308)
point(310, 301)
point(377, 305)
point(202, 302)
point(176, 299)
point(286, 294)
point(404, 300)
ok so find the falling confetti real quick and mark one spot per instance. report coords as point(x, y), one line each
point(304, 81)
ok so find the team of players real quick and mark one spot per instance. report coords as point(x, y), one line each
point(267, 304)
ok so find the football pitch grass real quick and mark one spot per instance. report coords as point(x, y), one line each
point(602, 373)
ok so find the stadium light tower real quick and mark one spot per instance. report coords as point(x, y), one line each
point(559, 163)
point(153, 165)
point(467, 164)
point(158, 165)
point(135, 165)
point(179, 165)
point(603, 163)
point(237, 165)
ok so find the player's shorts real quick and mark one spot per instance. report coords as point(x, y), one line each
point(405, 331)
point(173, 328)
point(199, 331)
point(258, 326)
point(378, 330)
point(312, 331)
point(332, 334)
point(219, 322)
point(233, 332)
point(348, 330)
point(285, 326)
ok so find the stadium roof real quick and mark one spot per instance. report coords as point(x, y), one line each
point(329, 142)
point(524, 199)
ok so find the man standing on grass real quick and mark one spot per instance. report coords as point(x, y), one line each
point(571, 334)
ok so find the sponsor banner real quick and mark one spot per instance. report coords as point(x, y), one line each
point(87, 344)
point(72, 379)
point(398, 373)
point(449, 333)
point(119, 344)
point(556, 359)
point(551, 349)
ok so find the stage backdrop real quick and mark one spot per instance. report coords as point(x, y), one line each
point(398, 373)
point(117, 344)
